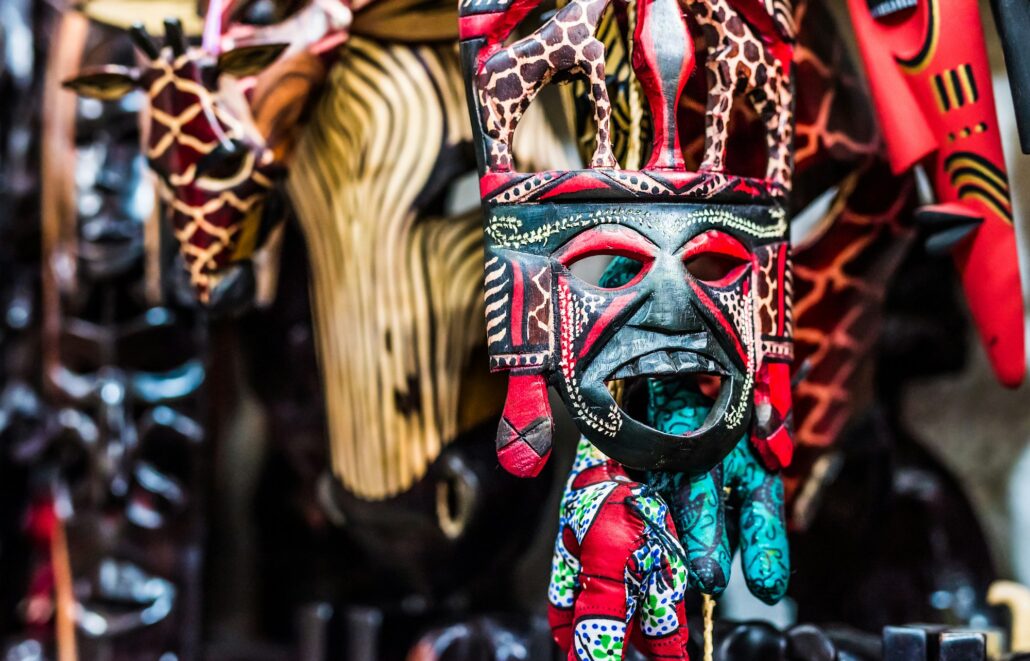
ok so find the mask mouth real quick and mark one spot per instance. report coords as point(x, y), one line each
point(685, 371)
point(667, 362)
point(109, 256)
point(122, 597)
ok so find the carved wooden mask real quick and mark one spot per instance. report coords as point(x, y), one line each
point(700, 287)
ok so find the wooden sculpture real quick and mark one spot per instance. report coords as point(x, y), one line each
point(397, 308)
point(511, 78)
point(118, 493)
point(930, 82)
point(525, 344)
point(851, 240)
point(366, 141)
point(740, 63)
point(363, 155)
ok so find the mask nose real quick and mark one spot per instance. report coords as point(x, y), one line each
point(669, 309)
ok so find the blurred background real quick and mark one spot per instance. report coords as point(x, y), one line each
point(166, 481)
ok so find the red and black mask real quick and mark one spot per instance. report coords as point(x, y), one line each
point(699, 287)
point(694, 293)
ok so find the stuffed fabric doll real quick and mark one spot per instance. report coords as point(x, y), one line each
point(618, 570)
point(621, 569)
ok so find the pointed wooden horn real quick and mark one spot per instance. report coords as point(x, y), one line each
point(142, 40)
point(174, 36)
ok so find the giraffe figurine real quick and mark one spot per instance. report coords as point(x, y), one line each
point(741, 61)
point(510, 79)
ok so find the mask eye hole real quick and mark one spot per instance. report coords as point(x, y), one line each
point(607, 271)
point(715, 267)
point(715, 258)
point(226, 167)
point(621, 271)
point(608, 257)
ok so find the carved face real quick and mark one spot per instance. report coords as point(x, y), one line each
point(128, 450)
point(707, 297)
point(697, 293)
point(123, 400)
point(112, 193)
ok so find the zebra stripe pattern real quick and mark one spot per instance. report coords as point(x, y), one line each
point(497, 299)
point(397, 297)
point(788, 297)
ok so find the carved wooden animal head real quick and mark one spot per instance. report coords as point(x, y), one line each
point(201, 140)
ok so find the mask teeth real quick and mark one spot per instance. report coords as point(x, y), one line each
point(772, 433)
point(526, 431)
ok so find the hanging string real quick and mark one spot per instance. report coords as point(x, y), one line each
point(708, 607)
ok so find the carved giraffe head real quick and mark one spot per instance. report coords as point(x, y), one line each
point(216, 168)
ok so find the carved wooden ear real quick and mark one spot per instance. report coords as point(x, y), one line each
point(106, 82)
point(249, 60)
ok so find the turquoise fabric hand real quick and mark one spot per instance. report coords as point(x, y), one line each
point(738, 504)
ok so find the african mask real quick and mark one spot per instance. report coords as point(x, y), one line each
point(702, 287)
point(930, 80)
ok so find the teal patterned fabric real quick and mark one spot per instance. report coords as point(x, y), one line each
point(740, 487)
point(620, 271)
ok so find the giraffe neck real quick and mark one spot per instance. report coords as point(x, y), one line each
point(592, 11)
point(711, 9)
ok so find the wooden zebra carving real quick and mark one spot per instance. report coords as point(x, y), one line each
point(394, 282)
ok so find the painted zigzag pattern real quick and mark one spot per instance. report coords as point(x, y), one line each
point(496, 296)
